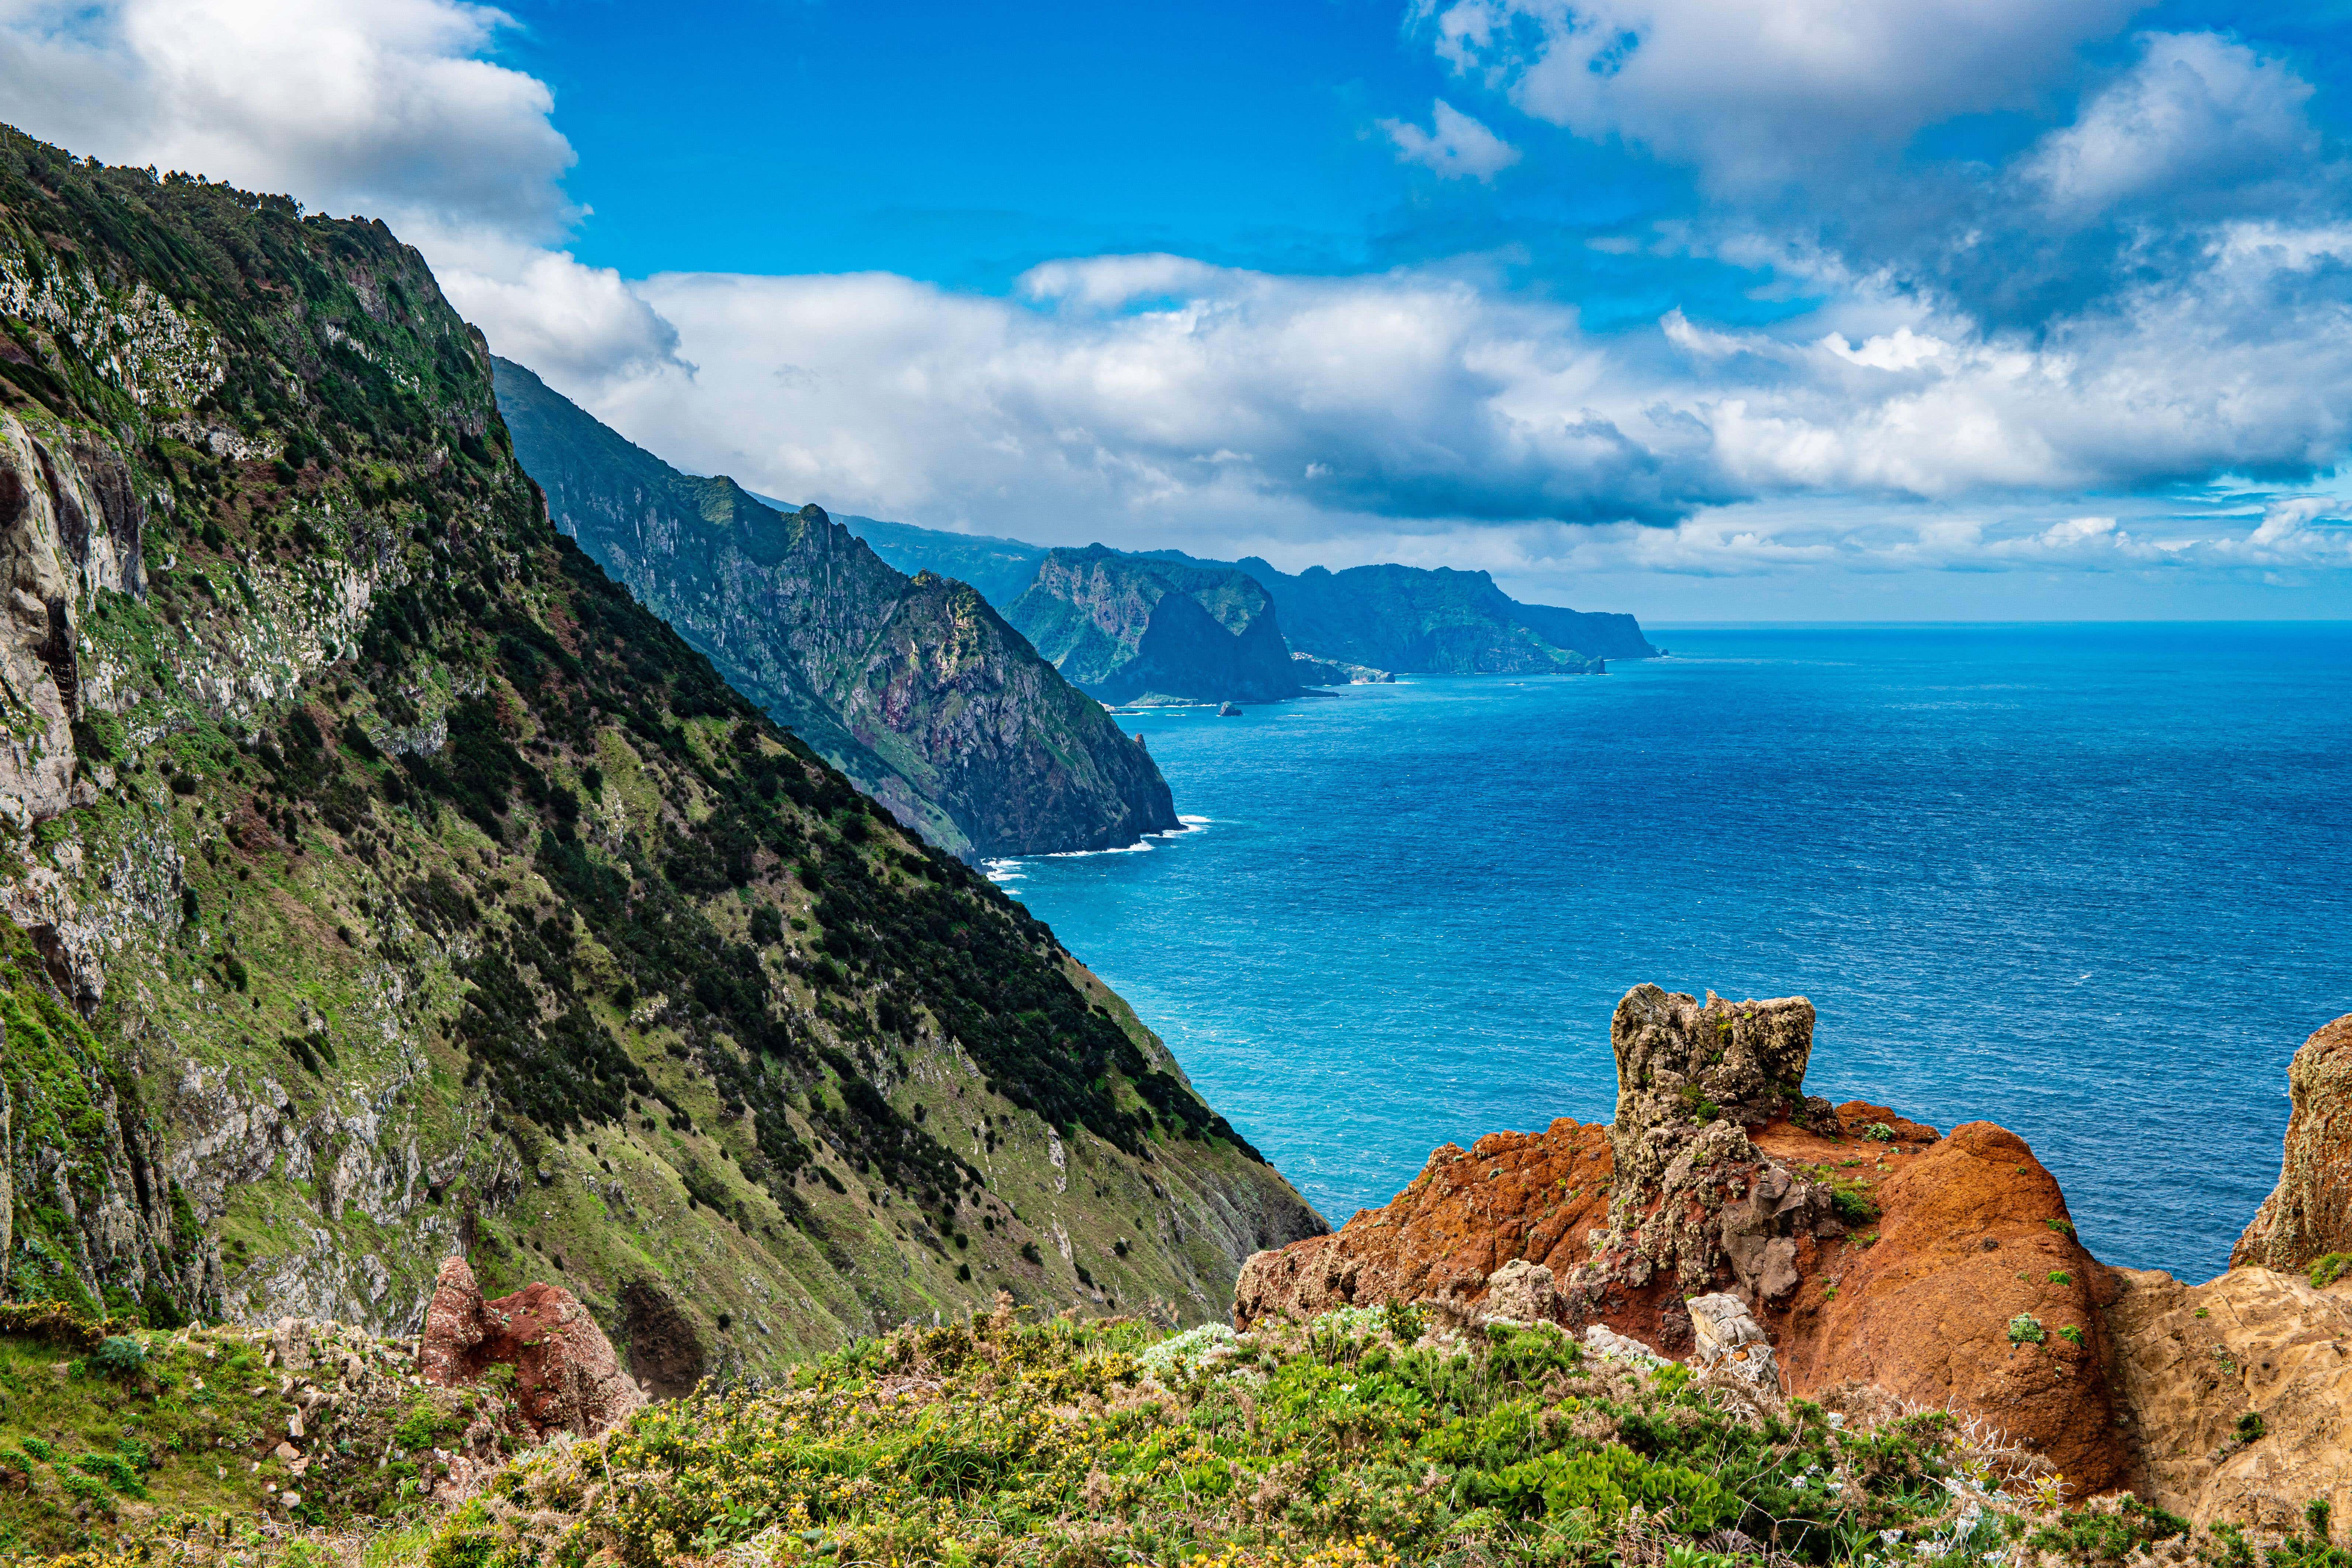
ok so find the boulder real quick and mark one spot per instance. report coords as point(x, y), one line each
point(1727, 1338)
point(1520, 1292)
point(566, 1375)
point(2237, 1392)
point(2309, 1213)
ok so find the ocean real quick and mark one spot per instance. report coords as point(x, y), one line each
point(2091, 882)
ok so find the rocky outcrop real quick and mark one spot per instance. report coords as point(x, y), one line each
point(2309, 1213)
point(1313, 672)
point(1129, 629)
point(2237, 1392)
point(566, 1376)
point(914, 687)
point(1862, 1246)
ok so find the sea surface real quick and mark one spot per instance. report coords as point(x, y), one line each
point(2091, 882)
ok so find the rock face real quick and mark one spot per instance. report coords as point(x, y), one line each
point(1975, 1295)
point(1127, 628)
point(380, 880)
point(2194, 1364)
point(1440, 622)
point(915, 688)
point(1860, 1244)
point(2309, 1214)
point(566, 1377)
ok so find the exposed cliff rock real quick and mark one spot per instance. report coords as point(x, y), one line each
point(2238, 1393)
point(388, 885)
point(913, 688)
point(1128, 628)
point(566, 1377)
point(1974, 1296)
point(2309, 1213)
point(1865, 1246)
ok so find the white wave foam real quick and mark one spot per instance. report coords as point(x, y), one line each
point(1193, 821)
point(1138, 846)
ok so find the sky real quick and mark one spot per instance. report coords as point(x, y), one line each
point(1747, 309)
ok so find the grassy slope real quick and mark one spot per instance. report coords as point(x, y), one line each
point(430, 893)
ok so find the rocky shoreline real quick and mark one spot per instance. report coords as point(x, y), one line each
point(1867, 1248)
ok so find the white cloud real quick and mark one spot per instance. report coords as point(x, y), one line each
point(1759, 89)
point(1457, 147)
point(2196, 112)
point(545, 308)
point(375, 106)
point(1131, 397)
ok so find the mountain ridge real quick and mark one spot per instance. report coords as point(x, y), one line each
point(1414, 619)
point(387, 883)
point(914, 686)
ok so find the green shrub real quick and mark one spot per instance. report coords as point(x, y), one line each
point(2106, 1540)
point(1339, 1440)
point(114, 1471)
point(1853, 1205)
point(1879, 1133)
point(2070, 1334)
point(2328, 1270)
point(119, 1355)
point(2252, 1427)
point(87, 1490)
point(2025, 1328)
point(2060, 1277)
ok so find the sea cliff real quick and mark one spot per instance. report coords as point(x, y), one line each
point(913, 687)
point(1125, 629)
point(384, 883)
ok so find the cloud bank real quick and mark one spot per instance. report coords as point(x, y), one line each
point(2151, 289)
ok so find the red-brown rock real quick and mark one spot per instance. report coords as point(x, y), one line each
point(1967, 1233)
point(566, 1375)
point(1972, 1235)
point(1513, 1195)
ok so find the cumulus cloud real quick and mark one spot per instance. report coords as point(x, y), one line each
point(1409, 394)
point(376, 106)
point(545, 308)
point(1759, 89)
point(1150, 391)
point(1456, 146)
point(381, 107)
point(2196, 113)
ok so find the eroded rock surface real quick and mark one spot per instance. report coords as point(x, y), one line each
point(1859, 1244)
point(2194, 1363)
point(1972, 1239)
point(2309, 1213)
point(566, 1376)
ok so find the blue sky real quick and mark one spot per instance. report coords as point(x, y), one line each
point(1743, 309)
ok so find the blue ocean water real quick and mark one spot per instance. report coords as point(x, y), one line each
point(2091, 882)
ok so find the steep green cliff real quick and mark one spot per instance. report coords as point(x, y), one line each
point(383, 881)
point(1127, 629)
point(915, 688)
point(1001, 569)
point(1439, 621)
point(1435, 621)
